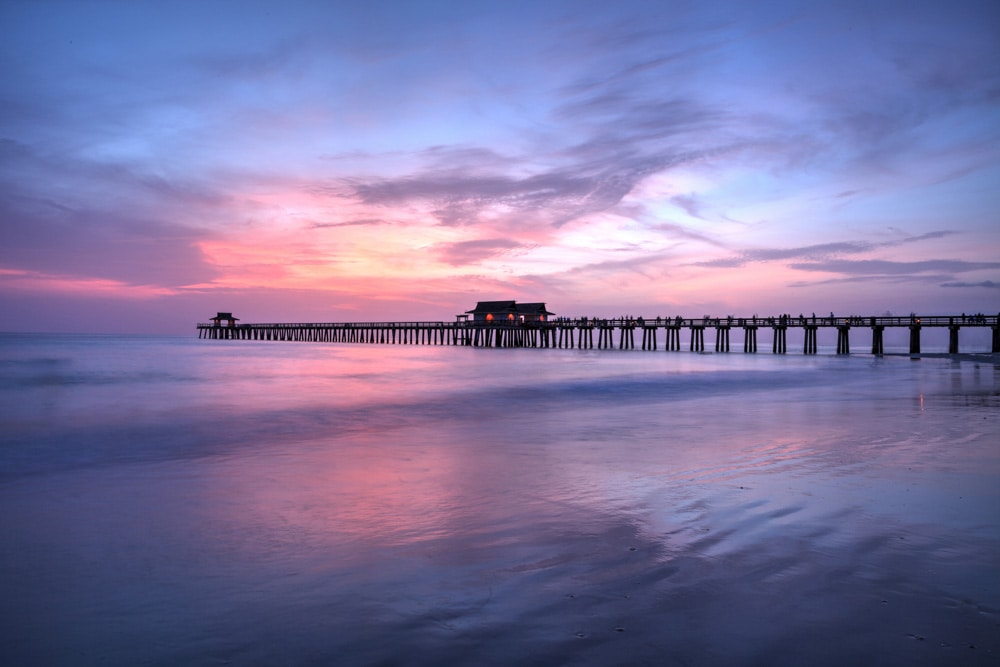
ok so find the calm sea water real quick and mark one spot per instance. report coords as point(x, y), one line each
point(168, 501)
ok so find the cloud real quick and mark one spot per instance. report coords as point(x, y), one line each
point(473, 252)
point(722, 263)
point(819, 251)
point(101, 243)
point(36, 281)
point(606, 269)
point(811, 251)
point(591, 177)
point(690, 204)
point(360, 222)
point(989, 284)
point(815, 251)
point(679, 231)
point(530, 191)
point(921, 237)
point(881, 267)
point(105, 220)
point(903, 280)
point(618, 139)
point(557, 196)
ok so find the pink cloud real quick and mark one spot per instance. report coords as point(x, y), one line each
point(36, 281)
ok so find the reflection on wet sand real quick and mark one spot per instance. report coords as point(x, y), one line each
point(754, 511)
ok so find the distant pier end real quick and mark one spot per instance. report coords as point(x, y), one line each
point(510, 324)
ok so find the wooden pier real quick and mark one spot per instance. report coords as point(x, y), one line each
point(605, 334)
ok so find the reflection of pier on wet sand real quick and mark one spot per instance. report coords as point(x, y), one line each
point(604, 334)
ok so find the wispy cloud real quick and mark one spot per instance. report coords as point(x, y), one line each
point(989, 284)
point(39, 282)
point(817, 251)
point(676, 231)
point(464, 253)
point(819, 254)
point(879, 267)
point(361, 222)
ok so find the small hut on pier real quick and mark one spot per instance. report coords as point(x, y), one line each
point(495, 312)
point(227, 317)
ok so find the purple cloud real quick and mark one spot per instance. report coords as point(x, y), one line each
point(876, 267)
point(472, 252)
point(816, 252)
point(989, 284)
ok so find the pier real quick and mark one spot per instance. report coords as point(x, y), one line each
point(607, 334)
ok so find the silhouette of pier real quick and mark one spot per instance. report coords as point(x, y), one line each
point(624, 333)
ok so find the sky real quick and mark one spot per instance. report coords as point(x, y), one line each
point(347, 161)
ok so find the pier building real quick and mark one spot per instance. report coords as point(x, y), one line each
point(508, 311)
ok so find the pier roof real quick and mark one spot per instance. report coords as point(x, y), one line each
point(533, 309)
point(493, 307)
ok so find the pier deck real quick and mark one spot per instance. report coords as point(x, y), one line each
point(617, 333)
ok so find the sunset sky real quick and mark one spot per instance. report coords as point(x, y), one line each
point(347, 161)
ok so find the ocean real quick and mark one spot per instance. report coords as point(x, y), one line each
point(175, 501)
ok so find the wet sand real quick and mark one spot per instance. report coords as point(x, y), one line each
point(715, 512)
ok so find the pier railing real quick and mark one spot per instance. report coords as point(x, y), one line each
point(612, 333)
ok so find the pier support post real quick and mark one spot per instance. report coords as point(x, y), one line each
point(914, 339)
point(750, 339)
point(697, 339)
point(843, 339)
point(996, 338)
point(605, 338)
point(627, 339)
point(810, 342)
point(780, 343)
point(722, 339)
point(877, 336)
point(673, 339)
point(953, 338)
point(648, 338)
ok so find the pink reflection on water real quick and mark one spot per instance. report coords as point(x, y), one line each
point(416, 493)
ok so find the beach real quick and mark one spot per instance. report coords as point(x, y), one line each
point(177, 501)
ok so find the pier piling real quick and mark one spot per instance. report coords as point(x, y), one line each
point(843, 339)
point(697, 338)
point(878, 347)
point(780, 343)
point(914, 339)
point(721, 338)
point(810, 339)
